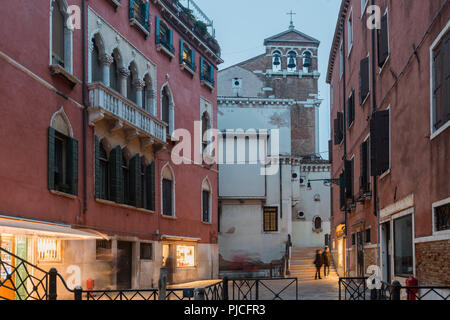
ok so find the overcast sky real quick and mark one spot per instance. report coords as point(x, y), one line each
point(242, 25)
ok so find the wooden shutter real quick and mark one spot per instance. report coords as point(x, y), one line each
point(193, 59)
point(167, 197)
point(348, 179)
point(181, 50)
point(51, 158)
point(72, 165)
point(379, 147)
point(351, 109)
point(441, 93)
point(201, 68)
point(136, 181)
point(342, 184)
point(131, 9)
point(147, 15)
point(116, 175)
point(98, 177)
point(364, 178)
point(330, 151)
point(363, 79)
point(150, 186)
point(383, 41)
point(157, 30)
point(57, 35)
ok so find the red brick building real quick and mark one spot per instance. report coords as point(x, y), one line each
point(390, 115)
point(87, 116)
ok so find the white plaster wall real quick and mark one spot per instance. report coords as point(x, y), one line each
point(251, 85)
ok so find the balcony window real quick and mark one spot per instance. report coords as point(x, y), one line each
point(139, 15)
point(164, 37)
point(206, 73)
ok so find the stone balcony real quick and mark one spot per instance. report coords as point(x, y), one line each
point(107, 104)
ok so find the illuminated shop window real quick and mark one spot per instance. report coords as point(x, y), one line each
point(49, 250)
point(185, 256)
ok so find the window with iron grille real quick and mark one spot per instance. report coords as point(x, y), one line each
point(270, 219)
point(441, 83)
point(442, 217)
point(146, 250)
point(103, 250)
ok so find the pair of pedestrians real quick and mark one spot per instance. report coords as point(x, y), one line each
point(322, 259)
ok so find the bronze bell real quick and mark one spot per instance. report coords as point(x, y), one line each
point(307, 60)
point(276, 61)
point(292, 64)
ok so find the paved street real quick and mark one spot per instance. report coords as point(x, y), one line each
point(326, 289)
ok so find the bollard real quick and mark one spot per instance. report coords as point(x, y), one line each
point(162, 284)
point(225, 288)
point(396, 289)
point(52, 284)
point(78, 293)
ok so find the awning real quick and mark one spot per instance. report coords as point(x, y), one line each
point(28, 227)
point(179, 238)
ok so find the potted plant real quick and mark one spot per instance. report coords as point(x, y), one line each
point(188, 17)
point(201, 27)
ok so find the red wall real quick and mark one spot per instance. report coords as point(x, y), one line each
point(26, 108)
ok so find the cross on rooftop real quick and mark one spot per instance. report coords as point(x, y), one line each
point(292, 21)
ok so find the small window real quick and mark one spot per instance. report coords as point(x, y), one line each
point(187, 55)
point(317, 223)
point(442, 217)
point(276, 61)
point(353, 239)
point(270, 219)
point(103, 250)
point(167, 193)
point(49, 250)
point(146, 251)
point(206, 71)
point(164, 36)
point(185, 256)
point(351, 109)
point(139, 12)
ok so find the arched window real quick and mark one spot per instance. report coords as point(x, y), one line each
point(126, 180)
point(206, 202)
point(167, 192)
point(165, 116)
point(307, 61)
point(114, 72)
point(292, 61)
point(62, 155)
point(148, 100)
point(206, 125)
point(104, 173)
point(276, 61)
point(131, 89)
point(96, 65)
point(317, 224)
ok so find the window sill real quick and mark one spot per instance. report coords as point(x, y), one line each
point(63, 194)
point(115, 3)
point(207, 84)
point(184, 66)
point(120, 205)
point(56, 69)
point(168, 217)
point(207, 223)
point(145, 31)
point(440, 130)
point(160, 47)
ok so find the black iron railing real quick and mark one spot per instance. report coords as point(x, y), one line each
point(21, 280)
point(263, 289)
point(355, 288)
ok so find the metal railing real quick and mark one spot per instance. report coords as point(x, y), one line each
point(21, 280)
point(263, 289)
point(355, 288)
point(110, 101)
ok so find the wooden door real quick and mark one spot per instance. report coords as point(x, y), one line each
point(124, 264)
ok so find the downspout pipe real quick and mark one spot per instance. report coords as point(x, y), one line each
point(374, 109)
point(85, 104)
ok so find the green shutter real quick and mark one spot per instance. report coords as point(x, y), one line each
point(171, 40)
point(181, 50)
point(116, 175)
point(193, 59)
point(136, 181)
point(157, 31)
point(131, 9)
point(201, 68)
point(97, 168)
point(72, 165)
point(150, 181)
point(211, 74)
point(51, 158)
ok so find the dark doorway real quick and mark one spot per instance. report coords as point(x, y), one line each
point(124, 263)
point(386, 251)
point(360, 253)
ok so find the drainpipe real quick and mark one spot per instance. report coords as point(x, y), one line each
point(85, 104)
point(374, 109)
point(345, 141)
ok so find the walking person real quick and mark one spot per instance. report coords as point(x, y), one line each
point(326, 262)
point(318, 261)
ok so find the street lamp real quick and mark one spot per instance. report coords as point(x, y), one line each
point(328, 182)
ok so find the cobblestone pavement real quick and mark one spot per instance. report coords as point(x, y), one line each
point(325, 289)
